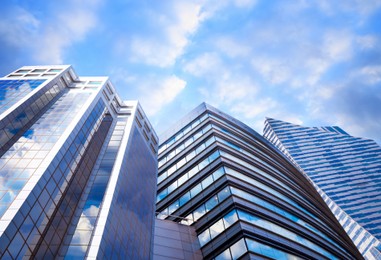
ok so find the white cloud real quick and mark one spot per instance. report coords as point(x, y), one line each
point(366, 41)
point(154, 99)
point(272, 69)
point(254, 108)
point(225, 84)
point(172, 30)
point(47, 38)
point(68, 26)
point(175, 28)
point(371, 74)
point(18, 26)
point(231, 47)
point(325, 92)
point(337, 46)
point(356, 7)
point(235, 89)
point(205, 65)
point(245, 3)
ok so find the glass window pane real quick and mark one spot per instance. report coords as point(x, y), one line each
point(200, 148)
point(203, 163)
point(218, 173)
point(238, 249)
point(180, 163)
point(223, 194)
point(190, 156)
point(162, 177)
point(211, 203)
point(216, 229)
point(171, 170)
point(180, 148)
point(188, 141)
point(209, 141)
point(172, 187)
point(173, 207)
point(199, 212)
point(162, 195)
point(214, 156)
point(188, 220)
point(197, 135)
point(193, 171)
point(196, 190)
point(207, 181)
point(182, 180)
point(171, 155)
point(230, 218)
point(185, 198)
point(204, 237)
point(206, 128)
point(224, 255)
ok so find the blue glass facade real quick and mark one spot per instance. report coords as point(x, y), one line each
point(72, 157)
point(15, 122)
point(12, 91)
point(242, 197)
point(129, 228)
point(345, 169)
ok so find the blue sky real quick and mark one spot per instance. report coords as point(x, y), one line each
point(312, 62)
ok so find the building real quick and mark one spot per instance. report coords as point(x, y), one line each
point(78, 168)
point(346, 170)
point(240, 196)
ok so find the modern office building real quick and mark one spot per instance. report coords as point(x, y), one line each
point(345, 169)
point(78, 168)
point(239, 195)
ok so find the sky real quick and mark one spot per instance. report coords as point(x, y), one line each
point(309, 62)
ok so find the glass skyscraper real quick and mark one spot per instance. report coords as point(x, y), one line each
point(78, 168)
point(240, 196)
point(345, 169)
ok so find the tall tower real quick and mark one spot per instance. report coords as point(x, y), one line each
point(240, 195)
point(78, 168)
point(347, 169)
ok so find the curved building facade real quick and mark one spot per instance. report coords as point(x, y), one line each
point(243, 198)
point(344, 169)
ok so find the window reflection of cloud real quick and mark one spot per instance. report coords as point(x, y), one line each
point(9, 194)
point(11, 93)
point(85, 227)
point(15, 90)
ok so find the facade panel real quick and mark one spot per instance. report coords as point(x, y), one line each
point(72, 158)
point(344, 169)
point(242, 197)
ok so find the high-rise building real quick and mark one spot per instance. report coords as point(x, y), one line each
point(239, 195)
point(78, 168)
point(345, 169)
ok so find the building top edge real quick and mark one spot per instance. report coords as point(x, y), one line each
point(199, 110)
point(189, 117)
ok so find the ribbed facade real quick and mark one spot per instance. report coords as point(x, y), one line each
point(243, 198)
point(78, 168)
point(346, 171)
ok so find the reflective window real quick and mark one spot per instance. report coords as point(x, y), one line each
point(181, 133)
point(265, 187)
point(184, 160)
point(216, 229)
point(12, 91)
point(238, 249)
point(26, 155)
point(272, 207)
point(97, 192)
point(186, 176)
point(191, 194)
point(234, 215)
